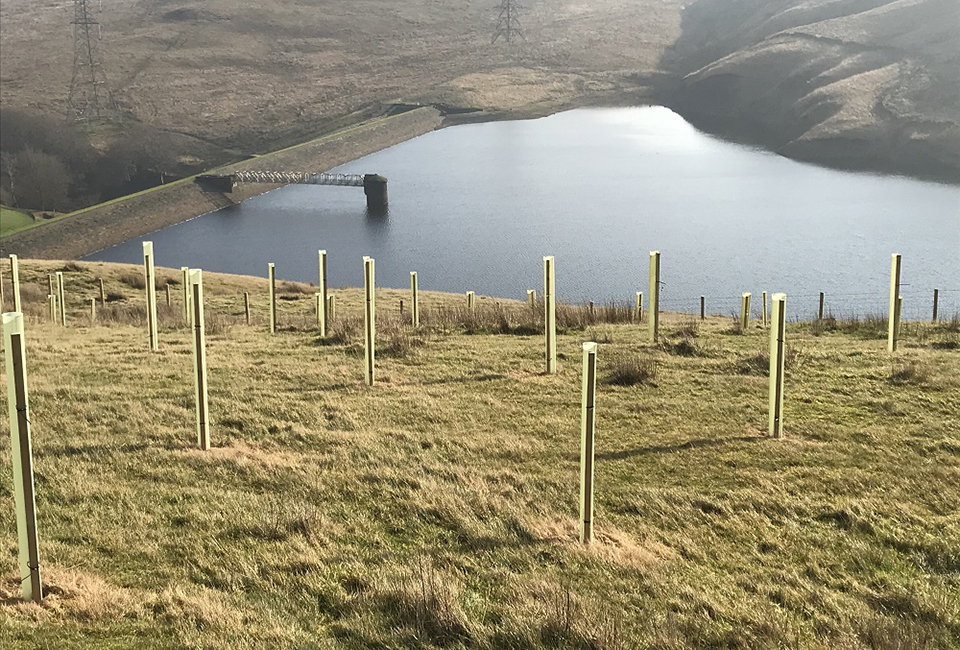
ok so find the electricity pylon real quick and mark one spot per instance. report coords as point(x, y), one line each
point(508, 24)
point(88, 84)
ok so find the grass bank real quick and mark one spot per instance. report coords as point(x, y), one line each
point(12, 221)
point(438, 509)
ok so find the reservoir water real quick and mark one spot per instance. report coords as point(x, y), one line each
point(476, 207)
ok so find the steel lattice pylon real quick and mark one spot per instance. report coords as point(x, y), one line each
point(508, 23)
point(88, 84)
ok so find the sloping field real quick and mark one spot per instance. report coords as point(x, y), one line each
point(439, 509)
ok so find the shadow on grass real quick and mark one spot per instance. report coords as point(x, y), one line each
point(669, 449)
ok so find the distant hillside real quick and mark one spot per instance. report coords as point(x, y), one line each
point(872, 83)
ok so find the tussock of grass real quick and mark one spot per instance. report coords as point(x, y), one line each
point(630, 369)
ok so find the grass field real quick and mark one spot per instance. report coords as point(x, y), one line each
point(12, 221)
point(439, 509)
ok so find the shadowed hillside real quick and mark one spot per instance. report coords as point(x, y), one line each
point(872, 83)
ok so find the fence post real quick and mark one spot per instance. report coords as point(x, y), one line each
point(401, 306)
point(414, 300)
point(200, 359)
point(272, 277)
point(246, 306)
point(103, 294)
point(322, 299)
point(893, 321)
point(531, 298)
point(185, 281)
point(61, 299)
point(744, 313)
point(638, 309)
point(369, 320)
point(15, 281)
point(590, 307)
point(151, 289)
point(21, 455)
point(167, 289)
point(703, 307)
point(52, 304)
point(654, 310)
point(820, 311)
point(93, 310)
point(764, 295)
point(778, 329)
point(331, 307)
point(550, 314)
point(587, 431)
point(471, 301)
point(936, 302)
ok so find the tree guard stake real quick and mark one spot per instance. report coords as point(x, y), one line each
point(550, 314)
point(200, 359)
point(22, 457)
point(778, 329)
point(587, 430)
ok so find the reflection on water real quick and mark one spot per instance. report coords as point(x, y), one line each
point(476, 207)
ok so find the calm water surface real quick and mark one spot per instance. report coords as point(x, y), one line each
point(476, 207)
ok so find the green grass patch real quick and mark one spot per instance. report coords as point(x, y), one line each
point(12, 221)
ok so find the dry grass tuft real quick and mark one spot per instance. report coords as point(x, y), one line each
point(630, 369)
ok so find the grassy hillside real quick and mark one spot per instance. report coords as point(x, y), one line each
point(843, 82)
point(438, 509)
point(13, 220)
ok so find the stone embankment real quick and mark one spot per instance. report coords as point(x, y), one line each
point(111, 223)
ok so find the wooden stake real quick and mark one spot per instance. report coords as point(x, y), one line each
point(200, 359)
point(150, 280)
point(936, 303)
point(52, 304)
point(532, 298)
point(15, 281)
point(93, 311)
point(590, 307)
point(331, 307)
point(893, 321)
point(322, 300)
point(703, 307)
point(471, 301)
point(369, 320)
point(103, 294)
point(21, 455)
point(185, 282)
point(550, 314)
point(654, 317)
point(764, 318)
point(414, 300)
point(167, 289)
point(744, 313)
point(272, 276)
point(401, 306)
point(820, 311)
point(778, 330)
point(61, 299)
point(587, 431)
point(899, 316)
point(639, 307)
point(246, 306)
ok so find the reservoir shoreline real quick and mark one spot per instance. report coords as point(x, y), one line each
point(98, 227)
